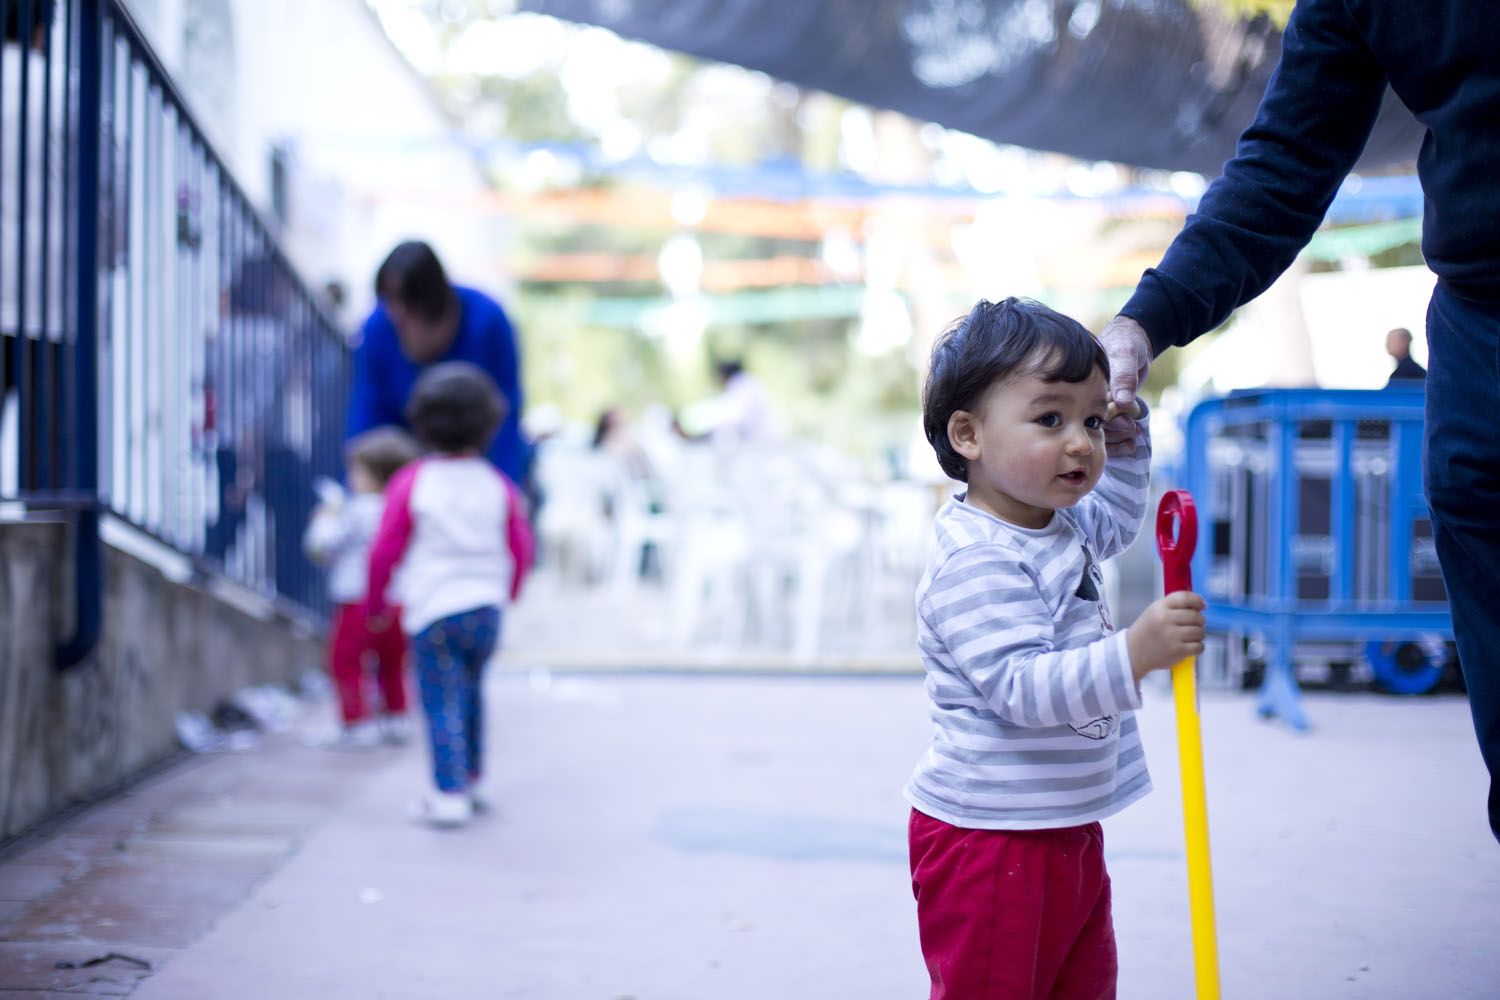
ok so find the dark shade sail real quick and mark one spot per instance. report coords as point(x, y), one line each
point(1152, 83)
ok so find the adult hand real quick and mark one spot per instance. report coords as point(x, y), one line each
point(1129, 351)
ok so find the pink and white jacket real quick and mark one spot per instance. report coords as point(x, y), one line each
point(458, 529)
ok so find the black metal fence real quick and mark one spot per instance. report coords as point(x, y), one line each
point(162, 360)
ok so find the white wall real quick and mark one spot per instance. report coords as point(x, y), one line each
point(1346, 315)
point(374, 159)
point(1349, 313)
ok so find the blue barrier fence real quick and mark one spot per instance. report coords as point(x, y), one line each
point(1314, 527)
point(163, 362)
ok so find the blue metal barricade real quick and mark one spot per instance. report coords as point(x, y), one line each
point(162, 360)
point(1317, 532)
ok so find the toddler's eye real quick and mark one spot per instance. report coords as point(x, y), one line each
point(1049, 420)
point(1093, 423)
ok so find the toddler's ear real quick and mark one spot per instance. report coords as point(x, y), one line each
point(963, 434)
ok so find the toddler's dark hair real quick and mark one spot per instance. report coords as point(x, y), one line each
point(455, 407)
point(383, 451)
point(996, 340)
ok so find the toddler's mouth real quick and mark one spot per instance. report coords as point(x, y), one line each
point(1076, 476)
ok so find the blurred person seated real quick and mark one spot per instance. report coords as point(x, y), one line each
point(632, 499)
point(740, 414)
point(1408, 372)
point(744, 409)
point(613, 437)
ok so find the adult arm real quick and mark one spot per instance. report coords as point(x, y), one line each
point(1317, 113)
point(986, 608)
point(364, 411)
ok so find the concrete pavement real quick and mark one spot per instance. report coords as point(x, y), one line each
point(689, 837)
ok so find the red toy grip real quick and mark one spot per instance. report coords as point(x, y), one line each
point(1177, 512)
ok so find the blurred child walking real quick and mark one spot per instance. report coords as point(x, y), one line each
point(1031, 690)
point(338, 536)
point(457, 528)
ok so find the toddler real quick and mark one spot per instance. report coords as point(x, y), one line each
point(1031, 688)
point(459, 532)
point(338, 536)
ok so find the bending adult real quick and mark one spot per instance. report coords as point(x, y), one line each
point(421, 319)
point(1317, 112)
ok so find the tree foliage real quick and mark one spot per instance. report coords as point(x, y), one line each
point(1277, 10)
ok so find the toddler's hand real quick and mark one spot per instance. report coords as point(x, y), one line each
point(329, 492)
point(1166, 633)
point(1120, 429)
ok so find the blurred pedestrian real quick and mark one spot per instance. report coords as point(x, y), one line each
point(739, 413)
point(458, 529)
point(339, 537)
point(422, 319)
point(632, 496)
point(1032, 690)
point(1398, 346)
point(615, 439)
point(245, 364)
point(743, 412)
point(1337, 57)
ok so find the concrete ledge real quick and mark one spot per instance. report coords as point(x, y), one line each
point(167, 646)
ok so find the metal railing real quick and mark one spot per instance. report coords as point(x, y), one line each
point(1314, 524)
point(163, 361)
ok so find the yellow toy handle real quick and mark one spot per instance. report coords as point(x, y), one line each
point(1176, 537)
point(1195, 825)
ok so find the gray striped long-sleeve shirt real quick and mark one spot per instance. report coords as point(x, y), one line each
point(1031, 691)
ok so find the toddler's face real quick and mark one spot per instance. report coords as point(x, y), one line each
point(1033, 446)
point(362, 480)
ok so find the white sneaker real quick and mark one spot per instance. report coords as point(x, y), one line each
point(396, 730)
point(443, 809)
point(361, 735)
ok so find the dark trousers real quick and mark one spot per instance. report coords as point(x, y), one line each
point(221, 531)
point(1462, 449)
point(289, 495)
point(450, 655)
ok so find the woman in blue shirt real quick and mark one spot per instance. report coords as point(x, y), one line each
point(422, 319)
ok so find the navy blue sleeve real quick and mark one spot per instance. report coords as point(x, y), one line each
point(1313, 122)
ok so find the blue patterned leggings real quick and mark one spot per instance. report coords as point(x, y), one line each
point(450, 655)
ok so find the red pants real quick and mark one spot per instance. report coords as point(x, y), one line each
point(1013, 914)
point(347, 648)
